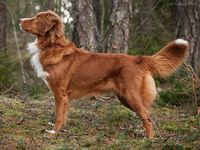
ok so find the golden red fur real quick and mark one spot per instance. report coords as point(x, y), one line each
point(74, 73)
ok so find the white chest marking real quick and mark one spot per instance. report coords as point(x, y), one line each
point(35, 61)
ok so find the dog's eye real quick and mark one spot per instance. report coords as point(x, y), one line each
point(36, 19)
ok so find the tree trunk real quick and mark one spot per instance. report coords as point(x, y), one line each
point(118, 36)
point(145, 16)
point(3, 21)
point(188, 27)
point(99, 8)
point(85, 28)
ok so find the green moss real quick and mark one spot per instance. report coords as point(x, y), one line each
point(173, 147)
point(12, 110)
point(169, 126)
point(21, 143)
point(110, 126)
point(12, 113)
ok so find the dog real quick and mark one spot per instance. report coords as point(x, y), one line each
point(73, 73)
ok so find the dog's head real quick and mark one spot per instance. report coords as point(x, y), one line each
point(44, 24)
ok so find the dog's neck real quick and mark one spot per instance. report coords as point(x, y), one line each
point(52, 52)
point(45, 42)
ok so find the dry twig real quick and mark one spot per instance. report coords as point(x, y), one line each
point(195, 83)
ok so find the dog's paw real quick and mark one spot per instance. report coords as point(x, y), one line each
point(51, 131)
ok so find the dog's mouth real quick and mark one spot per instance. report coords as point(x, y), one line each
point(25, 30)
point(21, 24)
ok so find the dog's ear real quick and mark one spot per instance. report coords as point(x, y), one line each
point(53, 26)
point(49, 26)
point(51, 20)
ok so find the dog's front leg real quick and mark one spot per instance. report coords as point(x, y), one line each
point(65, 110)
point(61, 108)
point(61, 104)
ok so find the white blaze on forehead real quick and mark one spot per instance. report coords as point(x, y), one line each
point(24, 19)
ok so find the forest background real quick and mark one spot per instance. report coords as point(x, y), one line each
point(135, 27)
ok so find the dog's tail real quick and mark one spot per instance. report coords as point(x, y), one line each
point(167, 60)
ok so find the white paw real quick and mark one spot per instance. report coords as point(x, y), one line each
point(51, 131)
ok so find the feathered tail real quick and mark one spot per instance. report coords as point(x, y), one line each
point(167, 60)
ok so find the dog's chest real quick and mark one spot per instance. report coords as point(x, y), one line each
point(35, 61)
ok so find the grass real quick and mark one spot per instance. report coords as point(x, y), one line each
point(94, 124)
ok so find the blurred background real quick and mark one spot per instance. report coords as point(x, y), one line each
point(122, 26)
point(135, 27)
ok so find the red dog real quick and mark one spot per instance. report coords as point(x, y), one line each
point(72, 73)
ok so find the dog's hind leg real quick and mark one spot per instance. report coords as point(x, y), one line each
point(148, 91)
point(135, 103)
point(124, 101)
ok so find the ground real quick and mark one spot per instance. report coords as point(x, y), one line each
point(94, 124)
